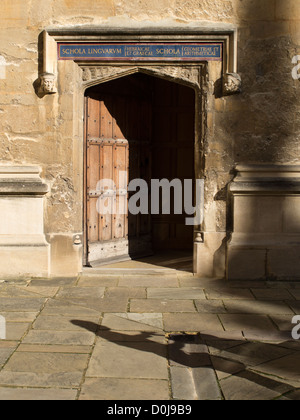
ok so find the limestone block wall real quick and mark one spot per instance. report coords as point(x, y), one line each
point(259, 125)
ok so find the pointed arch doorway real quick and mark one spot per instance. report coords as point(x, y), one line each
point(143, 126)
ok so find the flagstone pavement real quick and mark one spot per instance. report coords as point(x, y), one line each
point(154, 336)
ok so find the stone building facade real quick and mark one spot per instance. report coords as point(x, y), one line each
point(245, 133)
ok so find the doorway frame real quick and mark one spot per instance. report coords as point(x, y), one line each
point(74, 77)
point(190, 77)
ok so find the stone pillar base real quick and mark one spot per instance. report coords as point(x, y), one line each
point(24, 257)
point(265, 243)
point(24, 251)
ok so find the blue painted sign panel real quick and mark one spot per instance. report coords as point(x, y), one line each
point(141, 52)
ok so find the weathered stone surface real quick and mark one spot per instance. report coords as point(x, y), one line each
point(182, 384)
point(40, 379)
point(258, 387)
point(163, 306)
point(35, 394)
point(46, 363)
point(180, 293)
point(129, 360)
point(124, 389)
point(192, 322)
point(248, 322)
point(148, 281)
point(133, 322)
point(59, 337)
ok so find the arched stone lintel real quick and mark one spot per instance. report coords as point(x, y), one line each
point(186, 75)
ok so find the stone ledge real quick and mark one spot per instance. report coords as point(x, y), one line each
point(21, 180)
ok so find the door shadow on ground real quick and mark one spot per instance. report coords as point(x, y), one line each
point(227, 357)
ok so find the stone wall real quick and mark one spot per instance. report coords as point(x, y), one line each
point(259, 125)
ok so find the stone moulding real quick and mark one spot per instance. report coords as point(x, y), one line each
point(266, 179)
point(189, 75)
point(21, 180)
point(203, 32)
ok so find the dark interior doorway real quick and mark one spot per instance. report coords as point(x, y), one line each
point(145, 126)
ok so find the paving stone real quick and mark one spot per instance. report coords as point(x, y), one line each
point(55, 282)
point(101, 304)
point(233, 293)
point(276, 337)
point(112, 304)
point(90, 280)
point(210, 306)
point(272, 294)
point(37, 394)
point(39, 348)
point(209, 335)
point(46, 362)
point(295, 293)
point(149, 281)
point(225, 367)
point(291, 396)
point(43, 291)
point(215, 345)
point(59, 337)
point(294, 305)
point(5, 354)
point(283, 322)
point(125, 336)
point(285, 367)
point(133, 322)
point(182, 293)
point(60, 379)
point(206, 384)
point(9, 304)
point(16, 292)
point(16, 330)
point(124, 389)
point(182, 384)
point(126, 292)
point(19, 316)
point(251, 386)
point(246, 322)
point(81, 292)
point(252, 354)
point(263, 307)
point(191, 322)
point(164, 306)
point(65, 308)
point(187, 351)
point(190, 281)
point(129, 360)
point(246, 284)
point(55, 323)
point(5, 344)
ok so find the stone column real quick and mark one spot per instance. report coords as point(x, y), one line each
point(265, 242)
point(24, 251)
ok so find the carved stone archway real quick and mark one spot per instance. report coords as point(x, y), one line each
point(192, 76)
point(186, 75)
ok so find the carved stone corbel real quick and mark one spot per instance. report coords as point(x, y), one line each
point(232, 83)
point(47, 83)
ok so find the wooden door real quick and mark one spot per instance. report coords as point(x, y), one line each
point(118, 149)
